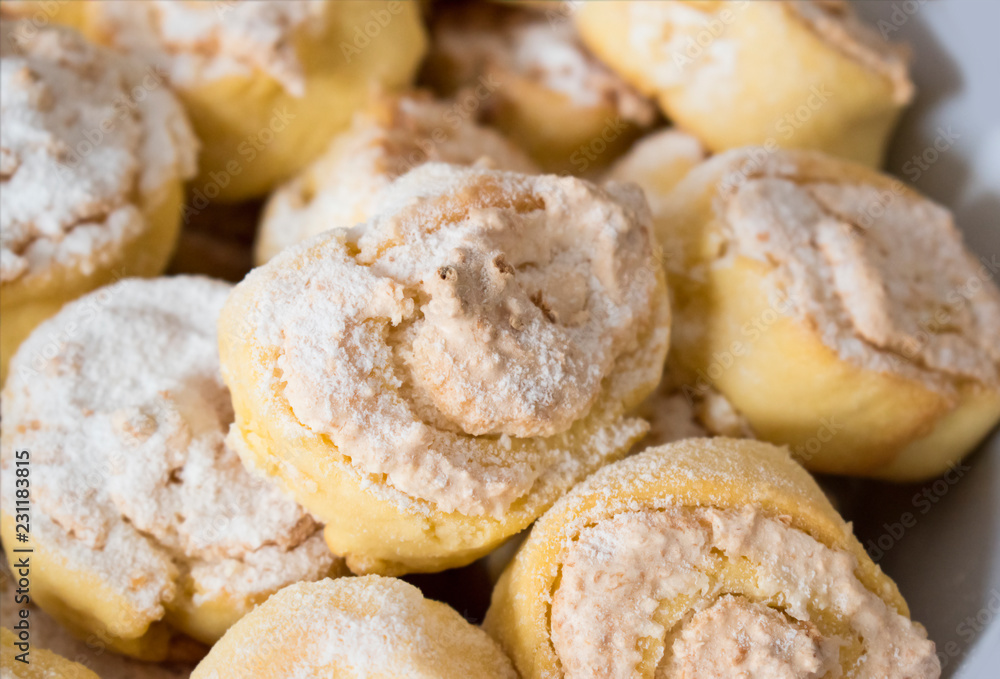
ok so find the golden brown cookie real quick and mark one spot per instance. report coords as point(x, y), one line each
point(394, 135)
point(266, 83)
point(783, 74)
point(529, 75)
point(428, 382)
point(144, 525)
point(706, 556)
point(837, 310)
point(93, 156)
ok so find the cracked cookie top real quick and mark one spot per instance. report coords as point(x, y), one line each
point(878, 270)
point(86, 133)
point(125, 422)
point(196, 42)
point(445, 342)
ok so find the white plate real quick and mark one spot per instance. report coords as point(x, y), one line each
point(947, 564)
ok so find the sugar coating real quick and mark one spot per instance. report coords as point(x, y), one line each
point(397, 134)
point(78, 149)
point(670, 36)
point(479, 38)
point(354, 627)
point(198, 42)
point(676, 412)
point(641, 552)
point(125, 422)
point(852, 257)
point(446, 342)
point(618, 574)
point(48, 634)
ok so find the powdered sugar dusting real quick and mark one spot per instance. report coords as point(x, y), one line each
point(479, 315)
point(399, 133)
point(676, 412)
point(664, 34)
point(367, 626)
point(853, 256)
point(132, 481)
point(48, 634)
point(480, 38)
point(636, 563)
point(75, 149)
point(618, 574)
point(198, 42)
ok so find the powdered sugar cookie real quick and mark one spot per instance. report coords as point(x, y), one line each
point(93, 154)
point(368, 627)
point(394, 135)
point(529, 75)
point(705, 557)
point(783, 74)
point(35, 663)
point(836, 309)
point(143, 523)
point(42, 13)
point(267, 83)
point(90, 653)
point(658, 161)
point(428, 382)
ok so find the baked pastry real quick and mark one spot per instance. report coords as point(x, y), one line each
point(354, 628)
point(675, 412)
point(534, 80)
point(37, 663)
point(267, 83)
point(429, 382)
point(658, 161)
point(91, 653)
point(837, 310)
point(143, 523)
point(785, 74)
point(91, 180)
point(705, 557)
point(41, 13)
point(396, 134)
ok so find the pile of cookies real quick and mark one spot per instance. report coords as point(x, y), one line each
point(577, 291)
